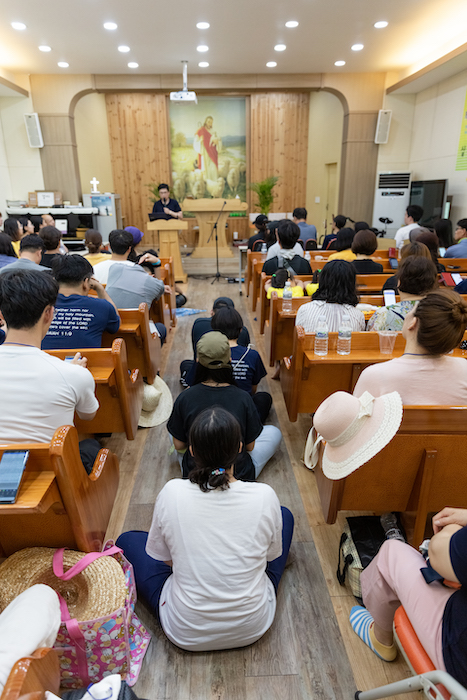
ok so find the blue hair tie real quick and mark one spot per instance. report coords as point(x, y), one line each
point(218, 472)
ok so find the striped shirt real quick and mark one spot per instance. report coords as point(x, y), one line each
point(308, 316)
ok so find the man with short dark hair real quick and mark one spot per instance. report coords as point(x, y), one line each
point(338, 223)
point(52, 238)
point(40, 393)
point(120, 243)
point(30, 255)
point(412, 216)
point(307, 231)
point(170, 207)
point(79, 320)
point(288, 233)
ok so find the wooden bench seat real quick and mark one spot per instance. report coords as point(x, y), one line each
point(59, 504)
point(119, 391)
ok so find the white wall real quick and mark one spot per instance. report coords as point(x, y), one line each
point(92, 139)
point(424, 137)
point(20, 165)
point(324, 146)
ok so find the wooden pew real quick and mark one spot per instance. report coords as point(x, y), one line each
point(119, 391)
point(279, 330)
point(372, 284)
point(422, 469)
point(58, 504)
point(307, 379)
point(454, 264)
point(265, 303)
point(167, 264)
point(143, 351)
point(250, 256)
point(164, 307)
point(33, 675)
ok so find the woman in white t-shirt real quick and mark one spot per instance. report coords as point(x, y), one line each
point(425, 375)
point(335, 296)
point(217, 547)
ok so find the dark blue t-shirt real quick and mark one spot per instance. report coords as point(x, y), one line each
point(248, 367)
point(455, 612)
point(173, 205)
point(79, 322)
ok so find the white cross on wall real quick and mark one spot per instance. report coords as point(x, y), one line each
point(94, 183)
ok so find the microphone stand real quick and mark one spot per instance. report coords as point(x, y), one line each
point(214, 228)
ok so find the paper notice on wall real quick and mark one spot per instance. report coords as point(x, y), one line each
point(461, 161)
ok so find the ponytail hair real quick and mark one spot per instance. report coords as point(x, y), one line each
point(442, 320)
point(214, 440)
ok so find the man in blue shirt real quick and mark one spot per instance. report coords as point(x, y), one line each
point(165, 205)
point(306, 230)
point(79, 320)
point(459, 250)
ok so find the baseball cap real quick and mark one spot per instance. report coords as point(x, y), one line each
point(213, 350)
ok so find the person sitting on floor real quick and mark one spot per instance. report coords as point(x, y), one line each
point(40, 393)
point(335, 296)
point(79, 319)
point(93, 242)
point(343, 245)
point(364, 245)
point(277, 284)
point(217, 548)
point(214, 384)
point(203, 325)
point(288, 234)
point(416, 277)
point(425, 375)
point(436, 612)
point(52, 239)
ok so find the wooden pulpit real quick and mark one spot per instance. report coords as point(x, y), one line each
point(206, 212)
point(168, 244)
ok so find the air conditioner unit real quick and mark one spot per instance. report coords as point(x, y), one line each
point(33, 129)
point(392, 196)
point(382, 127)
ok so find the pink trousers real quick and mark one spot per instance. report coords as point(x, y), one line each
point(393, 578)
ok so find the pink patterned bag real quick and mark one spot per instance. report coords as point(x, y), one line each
point(90, 650)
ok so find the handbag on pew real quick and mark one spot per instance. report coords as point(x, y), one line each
point(100, 632)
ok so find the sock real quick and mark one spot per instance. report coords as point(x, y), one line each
point(363, 624)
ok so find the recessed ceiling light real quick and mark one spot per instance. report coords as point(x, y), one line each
point(357, 47)
point(203, 25)
point(110, 26)
point(271, 64)
point(63, 64)
point(339, 63)
point(280, 47)
point(123, 49)
point(18, 25)
point(133, 64)
point(380, 25)
point(292, 24)
point(45, 48)
point(203, 64)
point(202, 48)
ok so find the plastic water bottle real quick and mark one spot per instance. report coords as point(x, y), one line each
point(321, 337)
point(264, 249)
point(307, 255)
point(287, 298)
point(344, 336)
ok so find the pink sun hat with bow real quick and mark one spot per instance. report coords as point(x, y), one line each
point(354, 430)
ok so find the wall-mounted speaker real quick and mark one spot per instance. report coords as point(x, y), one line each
point(33, 129)
point(382, 127)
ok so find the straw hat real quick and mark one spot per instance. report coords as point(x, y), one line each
point(355, 430)
point(97, 591)
point(157, 404)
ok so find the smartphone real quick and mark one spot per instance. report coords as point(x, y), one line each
point(442, 252)
point(392, 253)
point(69, 358)
point(12, 466)
point(394, 264)
point(456, 277)
point(389, 297)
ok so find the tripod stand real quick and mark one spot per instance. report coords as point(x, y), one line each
point(218, 275)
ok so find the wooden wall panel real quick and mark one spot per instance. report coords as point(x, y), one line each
point(279, 145)
point(139, 147)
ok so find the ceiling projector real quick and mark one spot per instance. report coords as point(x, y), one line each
point(184, 95)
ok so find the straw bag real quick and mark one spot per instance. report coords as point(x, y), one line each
point(100, 633)
point(359, 544)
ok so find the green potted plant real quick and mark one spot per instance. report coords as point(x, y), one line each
point(263, 191)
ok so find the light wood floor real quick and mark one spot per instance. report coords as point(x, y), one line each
point(310, 651)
